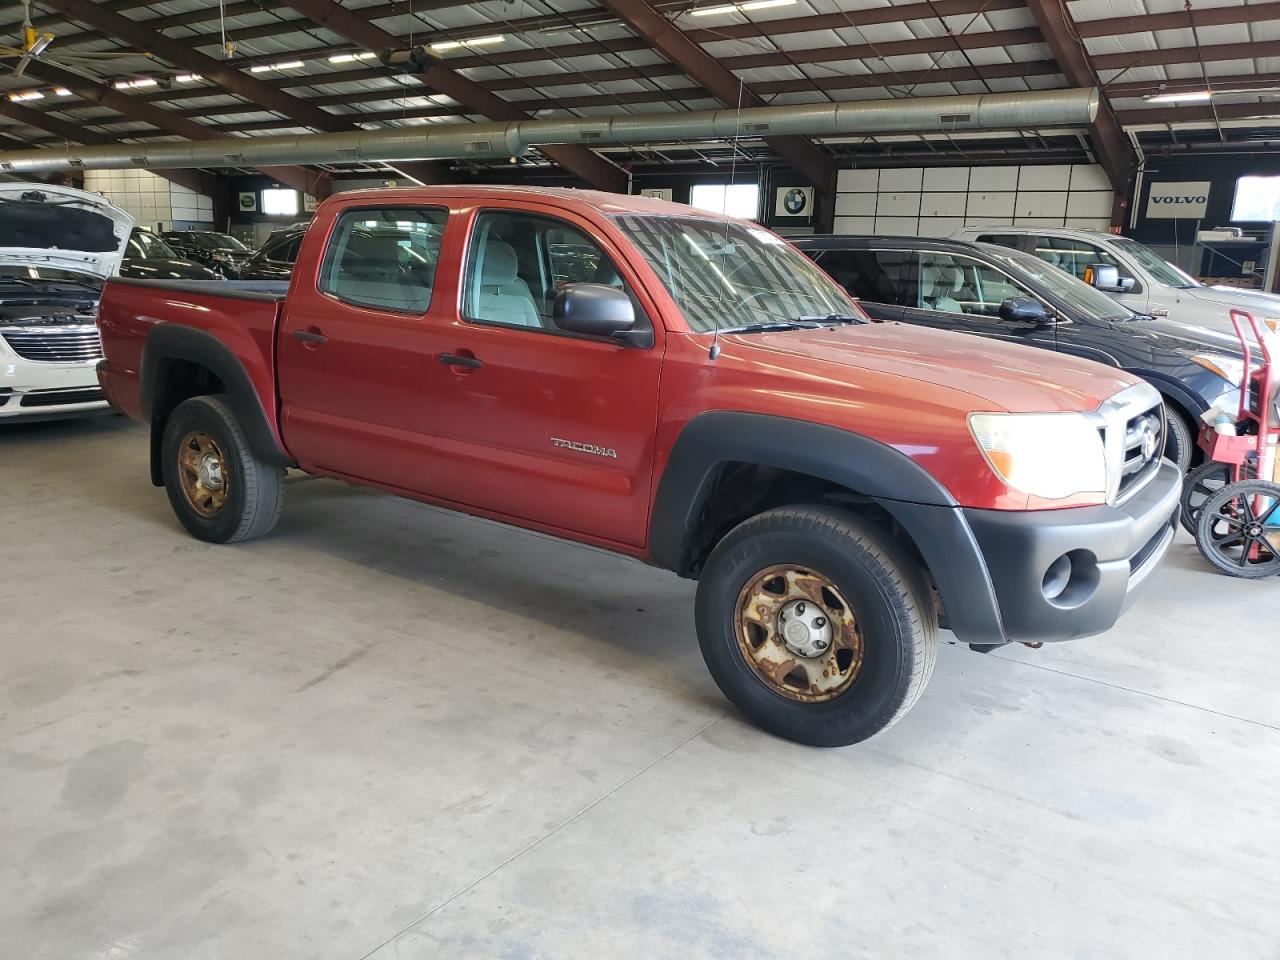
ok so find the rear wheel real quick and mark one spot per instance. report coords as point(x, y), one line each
point(816, 625)
point(218, 487)
point(1239, 529)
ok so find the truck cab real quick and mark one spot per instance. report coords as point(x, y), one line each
point(1133, 274)
point(683, 388)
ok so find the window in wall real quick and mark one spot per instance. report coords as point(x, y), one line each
point(735, 199)
point(280, 201)
point(1257, 199)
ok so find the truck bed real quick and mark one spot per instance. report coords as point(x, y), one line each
point(234, 318)
point(268, 290)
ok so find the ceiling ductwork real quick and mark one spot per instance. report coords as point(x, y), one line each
point(1038, 109)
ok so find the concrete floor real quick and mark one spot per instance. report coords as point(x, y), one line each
point(388, 731)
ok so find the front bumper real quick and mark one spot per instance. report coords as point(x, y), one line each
point(1108, 551)
point(41, 391)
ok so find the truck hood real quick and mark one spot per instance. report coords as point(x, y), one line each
point(42, 225)
point(996, 375)
point(1255, 301)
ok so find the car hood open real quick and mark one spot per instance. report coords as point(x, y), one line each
point(49, 226)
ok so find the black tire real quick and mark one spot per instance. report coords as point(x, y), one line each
point(254, 489)
point(887, 594)
point(1226, 522)
point(1179, 444)
point(1202, 483)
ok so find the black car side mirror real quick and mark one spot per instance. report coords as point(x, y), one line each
point(1024, 310)
point(598, 310)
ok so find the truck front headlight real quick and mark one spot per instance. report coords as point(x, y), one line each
point(1047, 455)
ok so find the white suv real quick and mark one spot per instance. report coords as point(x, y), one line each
point(57, 247)
point(1138, 277)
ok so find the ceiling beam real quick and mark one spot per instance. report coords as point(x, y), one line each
point(1253, 50)
point(316, 183)
point(224, 73)
point(1197, 113)
point(196, 180)
point(1181, 19)
point(807, 159)
point(474, 98)
point(1115, 153)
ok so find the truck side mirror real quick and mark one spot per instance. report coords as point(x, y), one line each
point(596, 309)
point(1106, 277)
point(1024, 310)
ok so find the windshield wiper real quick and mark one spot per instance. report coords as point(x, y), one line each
point(22, 280)
point(771, 325)
point(833, 318)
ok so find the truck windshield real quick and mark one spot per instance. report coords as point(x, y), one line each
point(1161, 270)
point(726, 274)
point(1082, 300)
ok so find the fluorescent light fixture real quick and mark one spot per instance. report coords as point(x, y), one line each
point(352, 57)
point(477, 42)
point(764, 4)
point(287, 65)
point(740, 7)
point(26, 95)
point(62, 91)
point(189, 78)
point(135, 84)
point(1191, 96)
point(712, 11)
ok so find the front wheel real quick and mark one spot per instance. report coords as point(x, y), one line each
point(218, 487)
point(816, 625)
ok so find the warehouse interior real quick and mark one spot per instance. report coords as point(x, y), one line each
point(408, 724)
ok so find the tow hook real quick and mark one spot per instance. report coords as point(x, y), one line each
point(1033, 646)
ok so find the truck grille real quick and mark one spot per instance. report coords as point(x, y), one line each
point(76, 344)
point(1131, 425)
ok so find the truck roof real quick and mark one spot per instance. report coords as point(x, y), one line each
point(608, 204)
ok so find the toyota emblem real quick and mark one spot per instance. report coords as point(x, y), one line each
point(1150, 442)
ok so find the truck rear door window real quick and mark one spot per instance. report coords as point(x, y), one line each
point(384, 258)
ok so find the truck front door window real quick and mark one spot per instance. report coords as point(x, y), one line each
point(871, 275)
point(384, 258)
point(517, 263)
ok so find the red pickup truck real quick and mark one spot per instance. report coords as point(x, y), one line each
point(675, 386)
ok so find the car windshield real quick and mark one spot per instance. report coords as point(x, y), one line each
point(726, 274)
point(1083, 300)
point(148, 247)
point(1162, 270)
point(217, 241)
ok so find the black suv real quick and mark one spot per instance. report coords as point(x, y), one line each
point(220, 252)
point(275, 258)
point(1009, 295)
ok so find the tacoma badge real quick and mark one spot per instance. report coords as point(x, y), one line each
point(585, 447)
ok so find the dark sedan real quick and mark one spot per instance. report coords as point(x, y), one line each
point(220, 252)
point(147, 257)
point(1009, 295)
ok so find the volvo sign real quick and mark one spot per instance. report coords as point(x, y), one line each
point(1184, 200)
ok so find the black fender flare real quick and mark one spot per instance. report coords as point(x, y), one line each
point(924, 508)
point(169, 342)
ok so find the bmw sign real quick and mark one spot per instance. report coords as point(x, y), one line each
point(793, 202)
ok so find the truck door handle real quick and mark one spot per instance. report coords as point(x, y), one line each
point(310, 336)
point(454, 360)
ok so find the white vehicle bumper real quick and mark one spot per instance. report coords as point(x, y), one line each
point(49, 373)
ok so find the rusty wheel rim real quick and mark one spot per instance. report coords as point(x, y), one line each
point(203, 471)
point(798, 633)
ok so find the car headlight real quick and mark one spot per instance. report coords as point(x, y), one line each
point(1047, 455)
point(1229, 369)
